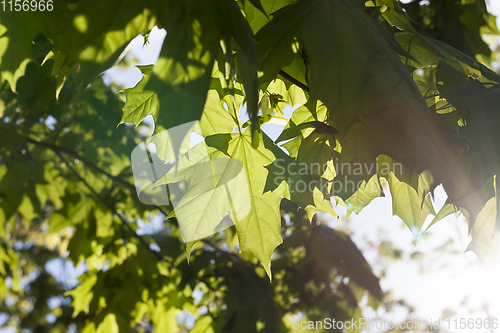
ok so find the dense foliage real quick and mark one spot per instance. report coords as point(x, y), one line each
point(382, 94)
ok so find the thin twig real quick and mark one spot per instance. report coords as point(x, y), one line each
point(294, 80)
point(227, 253)
point(111, 208)
point(431, 96)
point(75, 155)
point(58, 149)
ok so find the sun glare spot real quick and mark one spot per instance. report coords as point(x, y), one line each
point(81, 23)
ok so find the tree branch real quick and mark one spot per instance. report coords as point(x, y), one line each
point(111, 208)
point(229, 254)
point(77, 156)
point(58, 149)
point(294, 80)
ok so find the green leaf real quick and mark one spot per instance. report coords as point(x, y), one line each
point(91, 34)
point(182, 75)
point(16, 47)
point(82, 295)
point(256, 17)
point(407, 204)
point(480, 106)
point(363, 196)
point(99, 29)
point(293, 146)
point(259, 232)
point(443, 212)
point(164, 318)
point(246, 55)
point(216, 190)
point(484, 243)
point(257, 4)
point(448, 77)
point(418, 48)
point(320, 204)
point(139, 103)
point(332, 246)
point(303, 115)
point(57, 223)
point(104, 221)
point(275, 41)
point(427, 52)
point(16, 182)
point(394, 14)
point(215, 119)
point(202, 325)
point(343, 75)
point(267, 118)
point(183, 72)
point(108, 325)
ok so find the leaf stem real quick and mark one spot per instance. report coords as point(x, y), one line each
point(227, 253)
point(294, 80)
point(58, 149)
